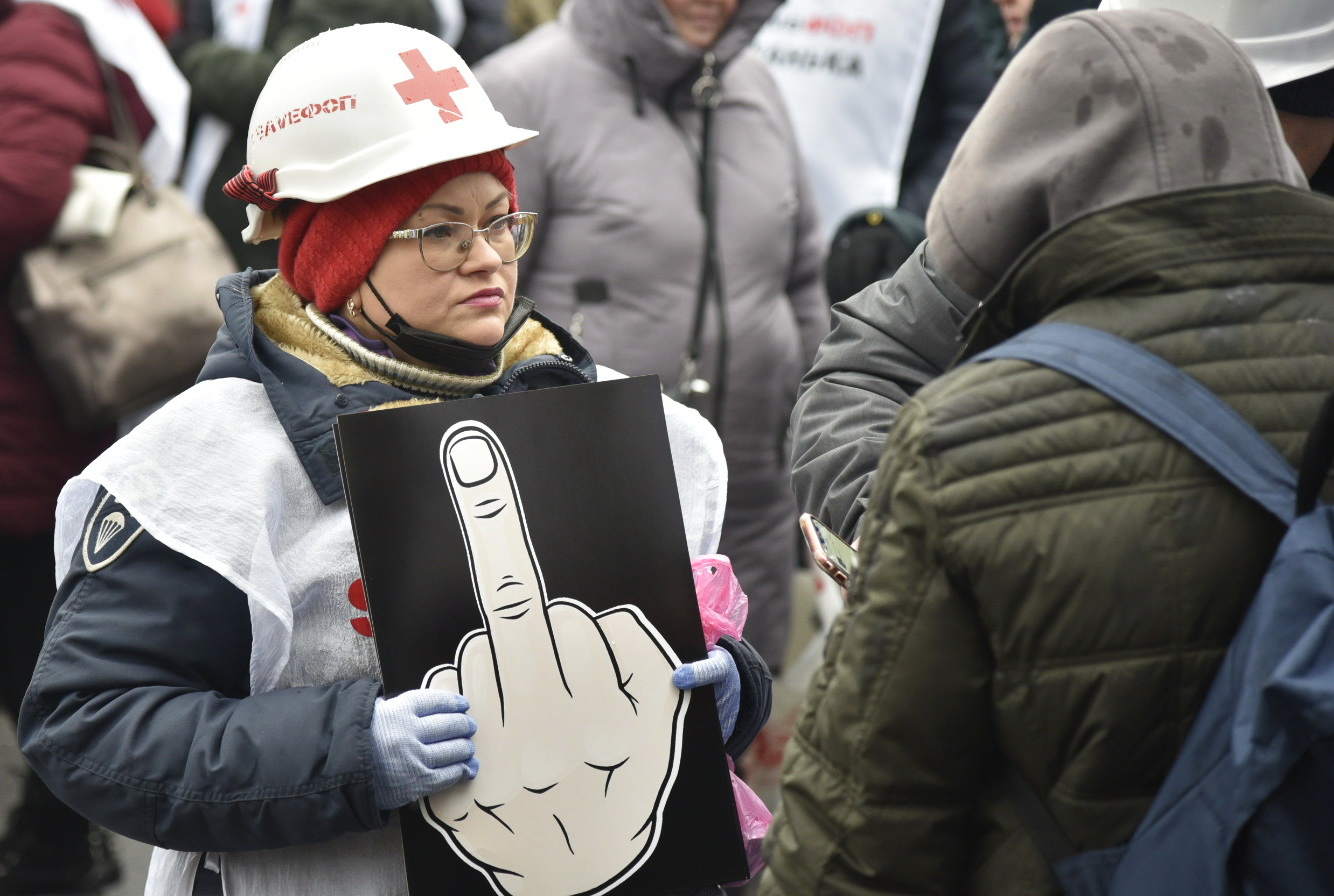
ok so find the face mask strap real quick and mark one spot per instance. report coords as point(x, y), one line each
point(445, 351)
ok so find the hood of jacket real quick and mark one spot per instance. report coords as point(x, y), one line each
point(1206, 238)
point(1101, 108)
point(638, 39)
point(310, 380)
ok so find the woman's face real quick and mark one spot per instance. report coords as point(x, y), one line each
point(700, 22)
point(1015, 13)
point(473, 301)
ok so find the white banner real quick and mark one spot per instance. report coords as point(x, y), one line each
point(851, 72)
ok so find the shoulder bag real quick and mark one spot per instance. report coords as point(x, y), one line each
point(121, 315)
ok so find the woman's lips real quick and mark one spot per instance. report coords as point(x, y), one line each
point(486, 298)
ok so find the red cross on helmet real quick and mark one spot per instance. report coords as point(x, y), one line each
point(361, 104)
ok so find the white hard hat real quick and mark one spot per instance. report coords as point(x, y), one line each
point(361, 104)
point(1284, 39)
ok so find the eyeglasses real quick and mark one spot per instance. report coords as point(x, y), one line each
point(445, 246)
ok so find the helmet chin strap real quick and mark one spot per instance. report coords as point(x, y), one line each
point(439, 349)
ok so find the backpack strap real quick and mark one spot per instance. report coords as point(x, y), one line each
point(1167, 397)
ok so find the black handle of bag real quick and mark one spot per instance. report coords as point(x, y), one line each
point(1316, 458)
point(126, 144)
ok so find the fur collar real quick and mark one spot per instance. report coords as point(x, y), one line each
point(303, 332)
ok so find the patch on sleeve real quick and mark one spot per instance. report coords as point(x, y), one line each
point(110, 531)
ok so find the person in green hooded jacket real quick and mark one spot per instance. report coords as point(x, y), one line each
point(1048, 583)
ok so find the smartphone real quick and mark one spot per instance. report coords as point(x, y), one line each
point(831, 553)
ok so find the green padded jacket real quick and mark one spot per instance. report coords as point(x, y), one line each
point(1056, 582)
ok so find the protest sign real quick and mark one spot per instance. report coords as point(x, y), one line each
point(527, 550)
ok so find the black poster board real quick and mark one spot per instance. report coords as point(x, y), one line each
point(597, 510)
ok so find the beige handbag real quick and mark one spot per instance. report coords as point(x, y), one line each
point(121, 320)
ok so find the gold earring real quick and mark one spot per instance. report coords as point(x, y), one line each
point(351, 308)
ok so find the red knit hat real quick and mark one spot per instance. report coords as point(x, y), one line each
point(328, 248)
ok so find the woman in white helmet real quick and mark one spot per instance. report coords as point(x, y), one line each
point(205, 685)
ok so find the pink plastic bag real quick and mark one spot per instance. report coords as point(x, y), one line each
point(722, 610)
point(722, 603)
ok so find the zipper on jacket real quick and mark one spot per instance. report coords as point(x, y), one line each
point(562, 362)
point(707, 91)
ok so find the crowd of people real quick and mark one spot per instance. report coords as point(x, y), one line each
point(52, 101)
point(524, 195)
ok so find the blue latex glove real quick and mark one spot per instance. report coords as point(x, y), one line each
point(720, 671)
point(419, 745)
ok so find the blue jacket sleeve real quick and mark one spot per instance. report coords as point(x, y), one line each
point(139, 716)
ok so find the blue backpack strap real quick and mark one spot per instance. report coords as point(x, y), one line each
point(1167, 397)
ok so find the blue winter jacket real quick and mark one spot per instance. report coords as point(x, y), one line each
point(140, 715)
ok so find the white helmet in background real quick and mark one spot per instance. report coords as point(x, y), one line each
point(361, 104)
point(1284, 39)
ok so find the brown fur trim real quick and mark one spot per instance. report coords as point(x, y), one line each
point(532, 340)
point(281, 314)
point(405, 403)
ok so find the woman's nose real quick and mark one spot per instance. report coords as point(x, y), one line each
point(481, 256)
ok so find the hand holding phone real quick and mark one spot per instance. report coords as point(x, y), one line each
point(831, 553)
